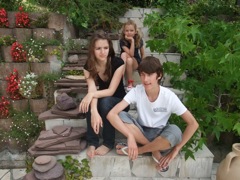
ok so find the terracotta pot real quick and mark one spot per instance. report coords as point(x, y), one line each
point(229, 168)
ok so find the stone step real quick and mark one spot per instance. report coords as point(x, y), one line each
point(71, 68)
point(116, 166)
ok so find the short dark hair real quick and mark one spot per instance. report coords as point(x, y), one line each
point(150, 65)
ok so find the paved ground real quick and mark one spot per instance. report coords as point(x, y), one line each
point(18, 174)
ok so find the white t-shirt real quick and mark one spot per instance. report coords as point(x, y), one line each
point(155, 114)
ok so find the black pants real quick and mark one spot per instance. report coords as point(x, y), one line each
point(108, 132)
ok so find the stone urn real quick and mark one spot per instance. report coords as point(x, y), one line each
point(229, 168)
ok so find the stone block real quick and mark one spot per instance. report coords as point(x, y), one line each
point(55, 64)
point(201, 167)
point(116, 46)
point(18, 173)
point(75, 122)
point(107, 162)
point(49, 124)
point(22, 34)
point(170, 57)
point(5, 124)
point(133, 13)
point(6, 53)
point(6, 32)
point(57, 21)
point(19, 105)
point(3, 87)
point(7, 68)
point(40, 33)
point(40, 68)
point(38, 105)
point(139, 22)
point(121, 167)
point(11, 19)
point(150, 10)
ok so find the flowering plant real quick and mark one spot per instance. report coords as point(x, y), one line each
point(35, 51)
point(4, 107)
point(27, 85)
point(7, 40)
point(18, 53)
point(22, 18)
point(12, 85)
point(3, 18)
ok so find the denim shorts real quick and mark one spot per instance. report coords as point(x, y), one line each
point(171, 132)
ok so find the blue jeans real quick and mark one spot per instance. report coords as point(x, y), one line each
point(108, 133)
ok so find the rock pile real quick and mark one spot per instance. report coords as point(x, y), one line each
point(46, 167)
point(59, 140)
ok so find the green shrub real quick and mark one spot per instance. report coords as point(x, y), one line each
point(206, 33)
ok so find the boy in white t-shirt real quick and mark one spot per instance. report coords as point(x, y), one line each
point(151, 129)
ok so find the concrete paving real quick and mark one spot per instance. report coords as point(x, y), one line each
point(18, 174)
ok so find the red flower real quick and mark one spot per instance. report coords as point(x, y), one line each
point(12, 85)
point(20, 8)
point(18, 53)
point(4, 107)
point(3, 18)
point(22, 18)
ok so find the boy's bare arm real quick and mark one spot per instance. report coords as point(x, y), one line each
point(115, 120)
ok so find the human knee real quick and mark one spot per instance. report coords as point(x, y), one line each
point(104, 104)
point(124, 56)
point(173, 134)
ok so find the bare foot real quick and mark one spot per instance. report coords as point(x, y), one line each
point(91, 151)
point(102, 150)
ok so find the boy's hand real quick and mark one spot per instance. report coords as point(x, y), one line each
point(132, 148)
point(164, 161)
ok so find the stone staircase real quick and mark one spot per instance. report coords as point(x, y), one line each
point(112, 165)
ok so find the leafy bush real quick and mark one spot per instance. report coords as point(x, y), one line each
point(25, 128)
point(88, 14)
point(206, 33)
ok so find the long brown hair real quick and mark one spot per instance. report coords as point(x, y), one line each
point(137, 36)
point(91, 60)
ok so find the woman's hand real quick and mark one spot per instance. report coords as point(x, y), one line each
point(96, 121)
point(84, 105)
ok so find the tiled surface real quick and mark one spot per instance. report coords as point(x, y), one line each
point(17, 174)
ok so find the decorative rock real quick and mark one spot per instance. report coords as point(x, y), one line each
point(41, 160)
point(73, 59)
point(45, 167)
point(30, 176)
point(56, 172)
point(60, 129)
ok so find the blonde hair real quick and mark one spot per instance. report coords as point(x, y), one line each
point(138, 35)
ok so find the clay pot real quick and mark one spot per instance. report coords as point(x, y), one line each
point(229, 168)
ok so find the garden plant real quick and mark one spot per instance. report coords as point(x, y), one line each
point(206, 34)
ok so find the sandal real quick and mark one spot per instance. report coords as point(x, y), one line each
point(163, 169)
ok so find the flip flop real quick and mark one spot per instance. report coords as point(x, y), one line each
point(163, 169)
point(124, 150)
